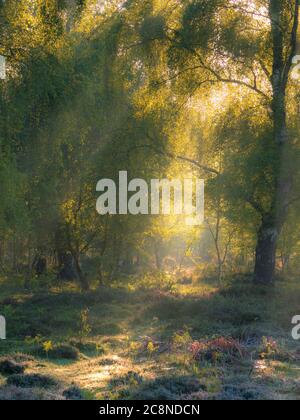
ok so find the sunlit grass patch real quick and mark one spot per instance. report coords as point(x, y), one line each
point(142, 341)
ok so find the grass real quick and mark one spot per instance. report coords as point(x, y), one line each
point(195, 341)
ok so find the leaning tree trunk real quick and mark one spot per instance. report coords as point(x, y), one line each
point(273, 220)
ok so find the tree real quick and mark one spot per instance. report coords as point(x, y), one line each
point(249, 47)
point(164, 90)
point(284, 49)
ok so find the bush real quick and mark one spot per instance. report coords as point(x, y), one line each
point(10, 367)
point(169, 388)
point(13, 393)
point(64, 351)
point(32, 381)
point(241, 393)
point(61, 351)
point(73, 393)
point(269, 348)
point(131, 379)
point(219, 349)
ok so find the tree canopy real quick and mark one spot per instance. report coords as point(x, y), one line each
point(162, 89)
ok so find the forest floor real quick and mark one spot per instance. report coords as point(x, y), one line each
point(195, 341)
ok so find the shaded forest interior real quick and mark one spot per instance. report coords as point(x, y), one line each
point(176, 89)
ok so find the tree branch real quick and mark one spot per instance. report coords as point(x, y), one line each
point(293, 44)
point(218, 77)
point(236, 82)
point(255, 205)
point(177, 157)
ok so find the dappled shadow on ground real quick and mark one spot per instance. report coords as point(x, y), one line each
point(236, 306)
point(128, 350)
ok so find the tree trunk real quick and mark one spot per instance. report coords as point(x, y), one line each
point(274, 219)
point(41, 266)
point(2, 257)
point(158, 258)
point(102, 253)
point(265, 262)
point(82, 278)
point(66, 267)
